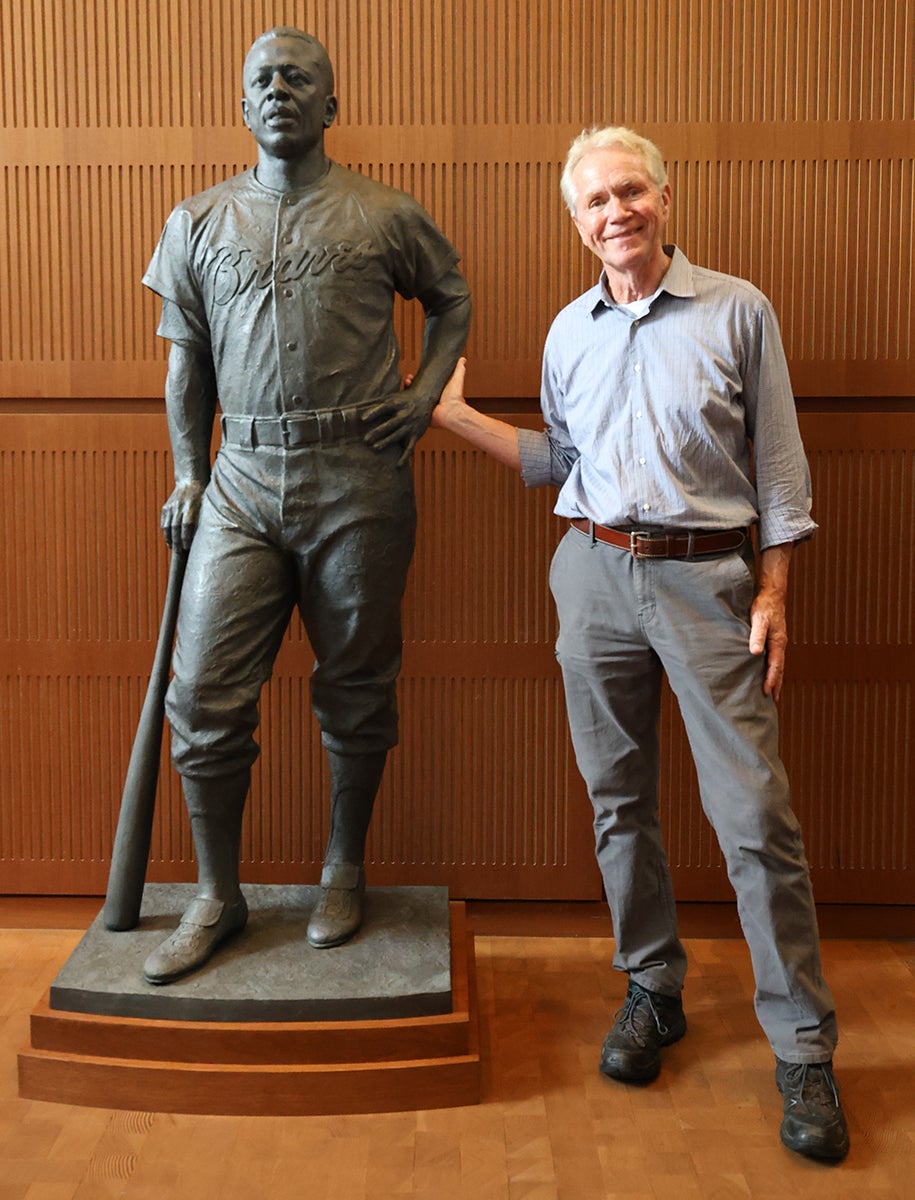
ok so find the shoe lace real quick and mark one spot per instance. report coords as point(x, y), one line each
point(634, 1021)
point(814, 1084)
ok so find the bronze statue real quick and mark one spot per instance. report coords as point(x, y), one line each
point(277, 294)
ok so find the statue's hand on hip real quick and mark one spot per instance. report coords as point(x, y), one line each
point(401, 418)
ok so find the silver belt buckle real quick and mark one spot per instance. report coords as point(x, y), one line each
point(651, 538)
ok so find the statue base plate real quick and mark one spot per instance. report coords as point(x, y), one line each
point(300, 1065)
point(397, 964)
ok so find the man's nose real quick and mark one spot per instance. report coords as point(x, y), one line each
point(616, 210)
point(278, 85)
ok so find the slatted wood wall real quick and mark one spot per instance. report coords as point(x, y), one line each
point(790, 135)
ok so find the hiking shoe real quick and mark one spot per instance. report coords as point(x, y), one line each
point(814, 1123)
point(646, 1022)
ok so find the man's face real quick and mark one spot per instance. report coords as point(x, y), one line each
point(620, 211)
point(287, 102)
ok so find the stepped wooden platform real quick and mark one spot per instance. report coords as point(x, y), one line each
point(262, 1068)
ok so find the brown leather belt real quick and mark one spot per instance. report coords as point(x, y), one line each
point(642, 544)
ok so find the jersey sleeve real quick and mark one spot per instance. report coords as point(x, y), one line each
point(170, 276)
point(420, 253)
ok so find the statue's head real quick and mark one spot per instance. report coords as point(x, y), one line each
point(289, 100)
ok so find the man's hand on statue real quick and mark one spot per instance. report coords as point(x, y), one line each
point(180, 513)
point(399, 419)
point(452, 397)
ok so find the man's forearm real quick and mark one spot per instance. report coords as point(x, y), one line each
point(497, 438)
point(774, 563)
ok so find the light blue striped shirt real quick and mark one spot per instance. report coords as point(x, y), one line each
point(650, 420)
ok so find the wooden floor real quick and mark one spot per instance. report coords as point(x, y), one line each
point(549, 1127)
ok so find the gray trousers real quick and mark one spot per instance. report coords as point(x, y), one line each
point(624, 622)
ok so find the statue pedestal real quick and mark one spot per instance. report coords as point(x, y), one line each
point(270, 1026)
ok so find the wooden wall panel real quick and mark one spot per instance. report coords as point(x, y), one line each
point(482, 794)
point(790, 131)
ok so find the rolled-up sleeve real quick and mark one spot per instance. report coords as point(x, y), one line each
point(782, 475)
point(545, 457)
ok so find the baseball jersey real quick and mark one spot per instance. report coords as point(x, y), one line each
point(292, 293)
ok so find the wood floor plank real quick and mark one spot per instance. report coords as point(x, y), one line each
point(549, 1128)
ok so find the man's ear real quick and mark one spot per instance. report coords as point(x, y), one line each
point(330, 111)
point(666, 196)
point(244, 111)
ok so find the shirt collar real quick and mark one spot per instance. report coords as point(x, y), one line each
point(677, 281)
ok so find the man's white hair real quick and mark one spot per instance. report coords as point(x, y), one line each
point(602, 137)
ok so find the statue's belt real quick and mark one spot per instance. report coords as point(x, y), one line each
point(299, 429)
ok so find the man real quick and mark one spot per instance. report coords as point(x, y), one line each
point(656, 383)
point(277, 289)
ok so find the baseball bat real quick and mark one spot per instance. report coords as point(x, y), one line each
point(130, 855)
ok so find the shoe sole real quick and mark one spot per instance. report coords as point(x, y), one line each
point(812, 1147)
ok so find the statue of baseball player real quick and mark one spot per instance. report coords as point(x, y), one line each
point(277, 294)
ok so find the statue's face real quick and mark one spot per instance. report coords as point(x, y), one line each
point(287, 102)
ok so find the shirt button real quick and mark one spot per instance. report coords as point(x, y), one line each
point(287, 292)
point(288, 239)
point(646, 507)
point(289, 200)
point(642, 461)
point(292, 345)
point(298, 399)
point(637, 367)
point(638, 415)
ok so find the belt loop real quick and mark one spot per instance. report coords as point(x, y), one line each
point(690, 543)
point(591, 531)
